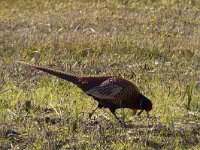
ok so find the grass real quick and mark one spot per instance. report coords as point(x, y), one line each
point(154, 44)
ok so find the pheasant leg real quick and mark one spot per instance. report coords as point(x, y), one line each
point(134, 111)
point(120, 120)
point(140, 112)
point(93, 111)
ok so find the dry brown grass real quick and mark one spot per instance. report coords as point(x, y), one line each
point(154, 44)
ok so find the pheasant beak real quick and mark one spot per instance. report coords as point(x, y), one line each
point(147, 114)
point(140, 112)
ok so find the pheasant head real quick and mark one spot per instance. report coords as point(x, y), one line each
point(145, 104)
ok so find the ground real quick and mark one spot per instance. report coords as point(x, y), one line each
point(152, 43)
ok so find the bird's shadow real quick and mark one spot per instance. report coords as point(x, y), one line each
point(127, 125)
point(123, 125)
point(131, 126)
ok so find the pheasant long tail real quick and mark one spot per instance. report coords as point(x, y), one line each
point(59, 74)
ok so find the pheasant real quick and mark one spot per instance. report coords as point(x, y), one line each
point(109, 91)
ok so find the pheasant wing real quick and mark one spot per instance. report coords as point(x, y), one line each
point(105, 90)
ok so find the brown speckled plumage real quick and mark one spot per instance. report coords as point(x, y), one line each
point(109, 91)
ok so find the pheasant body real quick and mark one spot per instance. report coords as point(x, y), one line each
point(117, 92)
point(110, 91)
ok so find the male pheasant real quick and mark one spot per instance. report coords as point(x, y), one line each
point(109, 91)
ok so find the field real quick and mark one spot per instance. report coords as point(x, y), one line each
point(152, 43)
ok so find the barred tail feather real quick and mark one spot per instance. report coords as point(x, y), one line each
point(58, 74)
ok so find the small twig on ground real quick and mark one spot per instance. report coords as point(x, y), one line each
point(4, 91)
